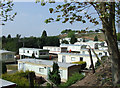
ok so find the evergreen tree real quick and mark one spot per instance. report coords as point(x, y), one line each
point(73, 39)
point(96, 38)
point(44, 34)
point(54, 76)
point(9, 36)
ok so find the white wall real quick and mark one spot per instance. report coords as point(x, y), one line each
point(77, 58)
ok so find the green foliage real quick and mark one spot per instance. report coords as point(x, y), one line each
point(97, 64)
point(96, 38)
point(66, 30)
point(118, 36)
point(73, 79)
point(82, 63)
point(71, 34)
point(20, 78)
point(54, 76)
point(73, 39)
point(65, 42)
point(13, 44)
point(49, 85)
point(4, 68)
point(44, 34)
point(6, 8)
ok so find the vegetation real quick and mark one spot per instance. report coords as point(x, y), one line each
point(20, 78)
point(6, 8)
point(118, 36)
point(54, 76)
point(95, 38)
point(73, 39)
point(73, 79)
point(97, 64)
point(82, 63)
point(65, 42)
point(13, 44)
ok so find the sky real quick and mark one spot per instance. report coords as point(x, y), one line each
point(30, 18)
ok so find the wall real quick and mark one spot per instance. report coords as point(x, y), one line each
point(77, 58)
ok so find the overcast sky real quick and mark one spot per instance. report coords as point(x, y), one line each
point(30, 18)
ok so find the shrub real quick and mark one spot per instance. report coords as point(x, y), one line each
point(73, 79)
point(20, 78)
point(20, 81)
point(96, 38)
point(82, 63)
point(97, 64)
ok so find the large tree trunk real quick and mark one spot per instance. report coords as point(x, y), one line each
point(111, 39)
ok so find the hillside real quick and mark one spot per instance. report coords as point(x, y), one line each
point(102, 77)
point(87, 36)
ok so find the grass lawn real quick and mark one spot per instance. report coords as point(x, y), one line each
point(12, 67)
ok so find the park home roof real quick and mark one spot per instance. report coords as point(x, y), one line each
point(6, 84)
point(45, 62)
point(76, 54)
point(5, 51)
point(33, 49)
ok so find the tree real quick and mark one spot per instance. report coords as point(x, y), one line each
point(44, 34)
point(6, 8)
point(73, 39)
point(9, 36)
point(96, 38)
point(54, 76)
point(97, 30)
point(106, 12)
point(65, 42)
point(70, 34)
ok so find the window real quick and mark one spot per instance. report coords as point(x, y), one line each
point(72, 58)
point(100, 53)
point(23, 51)
point(83, 52)
point(41, 70)
point(81, 58)
point(27, 51)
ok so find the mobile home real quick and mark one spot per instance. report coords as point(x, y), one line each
point(42, 67)
point(38, 53)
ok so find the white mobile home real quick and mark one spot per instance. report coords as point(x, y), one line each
point(55, 50)
point(42, 67)
point(38, 53)
point(72, 47)
point(75, 57)
point(7, 56)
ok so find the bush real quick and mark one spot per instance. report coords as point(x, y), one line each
point(96, 38)
point(73, 79)
point(97, 64)
point(20, 78)
point(20, 81)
